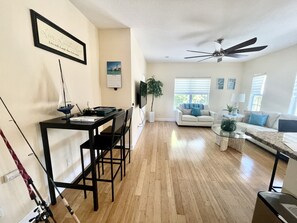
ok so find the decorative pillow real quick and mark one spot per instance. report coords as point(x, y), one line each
point(186, 111)
point(257, 119)
point(247, 114)
point(196, 112)
point(204, 112)
point(187, 106)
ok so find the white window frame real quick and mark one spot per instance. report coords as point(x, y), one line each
point(293, 102)
point(192, 86)
point(257, 90)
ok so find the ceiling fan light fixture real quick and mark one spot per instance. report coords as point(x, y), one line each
point(233, 51)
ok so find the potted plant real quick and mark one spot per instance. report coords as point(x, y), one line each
point(154, 87)
point(230, 109)
point(228, 125)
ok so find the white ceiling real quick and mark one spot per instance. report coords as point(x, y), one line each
point(165, 29)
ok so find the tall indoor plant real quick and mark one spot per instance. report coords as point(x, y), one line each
point(154, 87)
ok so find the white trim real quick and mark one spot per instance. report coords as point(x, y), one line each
point(165, 119)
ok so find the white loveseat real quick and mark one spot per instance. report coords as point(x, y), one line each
point(184, 115)
point(271, 124)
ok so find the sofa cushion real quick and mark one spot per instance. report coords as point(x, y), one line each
point(252, 128)
point(189, 118)
point(272, 117)
point(184, 110)
point(192, 105)
point(205, 119)
point(205, 112)
point(196, 111)
point(257, 119)
point(248, 113)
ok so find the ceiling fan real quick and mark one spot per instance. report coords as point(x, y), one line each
point(233, 51)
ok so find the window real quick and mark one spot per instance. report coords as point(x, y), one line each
point(191, 90)
point(293, 103)
point(257, 92)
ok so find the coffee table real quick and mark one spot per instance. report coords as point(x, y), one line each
point(235, 140)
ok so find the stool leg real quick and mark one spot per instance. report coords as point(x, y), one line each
point(129, 145)
point(83, 170)
point(112, 178)
point(98, 157)
point(102, 164)
point(123, 149)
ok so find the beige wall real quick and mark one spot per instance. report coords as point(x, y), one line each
point(115, 45)
point(30, 84)
point(167, 72)
point(281, 69)
point(120, 45)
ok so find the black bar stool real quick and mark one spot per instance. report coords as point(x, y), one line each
point(105, 144)
point(127, 124)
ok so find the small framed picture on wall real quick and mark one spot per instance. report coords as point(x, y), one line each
point(231, 83)
point(220, 83)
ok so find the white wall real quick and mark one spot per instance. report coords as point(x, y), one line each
point(167, 72)
point(30, 84)
point(281, 69)
point(138, 71)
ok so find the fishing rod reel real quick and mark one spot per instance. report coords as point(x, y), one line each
point(43, 214)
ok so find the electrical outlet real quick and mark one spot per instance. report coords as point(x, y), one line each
point(11, 175)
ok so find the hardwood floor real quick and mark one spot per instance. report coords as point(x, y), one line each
point(178, 174)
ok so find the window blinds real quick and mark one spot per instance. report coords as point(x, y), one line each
point(258, 85)
point(192, 86)
point(294, 94)
point(293, 103)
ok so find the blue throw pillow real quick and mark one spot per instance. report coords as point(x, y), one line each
point(257, 119)
point(196, 112)
point(187, 106)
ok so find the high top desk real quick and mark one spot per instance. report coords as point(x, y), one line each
point(275, 141)
point(59, 123)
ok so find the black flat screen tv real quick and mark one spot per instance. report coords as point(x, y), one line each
point(142, 94)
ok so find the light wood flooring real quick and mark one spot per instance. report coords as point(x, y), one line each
point(178, 174)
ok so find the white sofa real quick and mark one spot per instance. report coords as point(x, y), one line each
point(183, 116)
point(270, 125)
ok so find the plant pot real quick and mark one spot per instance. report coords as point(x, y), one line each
point(228, 125)
point(151, 116)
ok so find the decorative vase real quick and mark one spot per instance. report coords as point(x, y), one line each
point(151, 116)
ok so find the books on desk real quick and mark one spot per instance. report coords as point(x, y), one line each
point(85, 119)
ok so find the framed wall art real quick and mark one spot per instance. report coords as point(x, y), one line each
point(231, 84)
point(50, 37)
point(220, 83)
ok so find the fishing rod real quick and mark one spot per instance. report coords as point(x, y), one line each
point(65, 202)
point(43, 211)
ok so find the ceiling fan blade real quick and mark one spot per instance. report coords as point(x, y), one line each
point(236, 55)
point(205, 59)
point(251, 49)
point(194, 51)
point(196, 56)
point(241, 45)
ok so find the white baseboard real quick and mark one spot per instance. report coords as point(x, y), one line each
point(165, 119)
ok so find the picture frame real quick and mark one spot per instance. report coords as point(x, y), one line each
point(50, 37)
point(231, 83)
point(220, 83)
